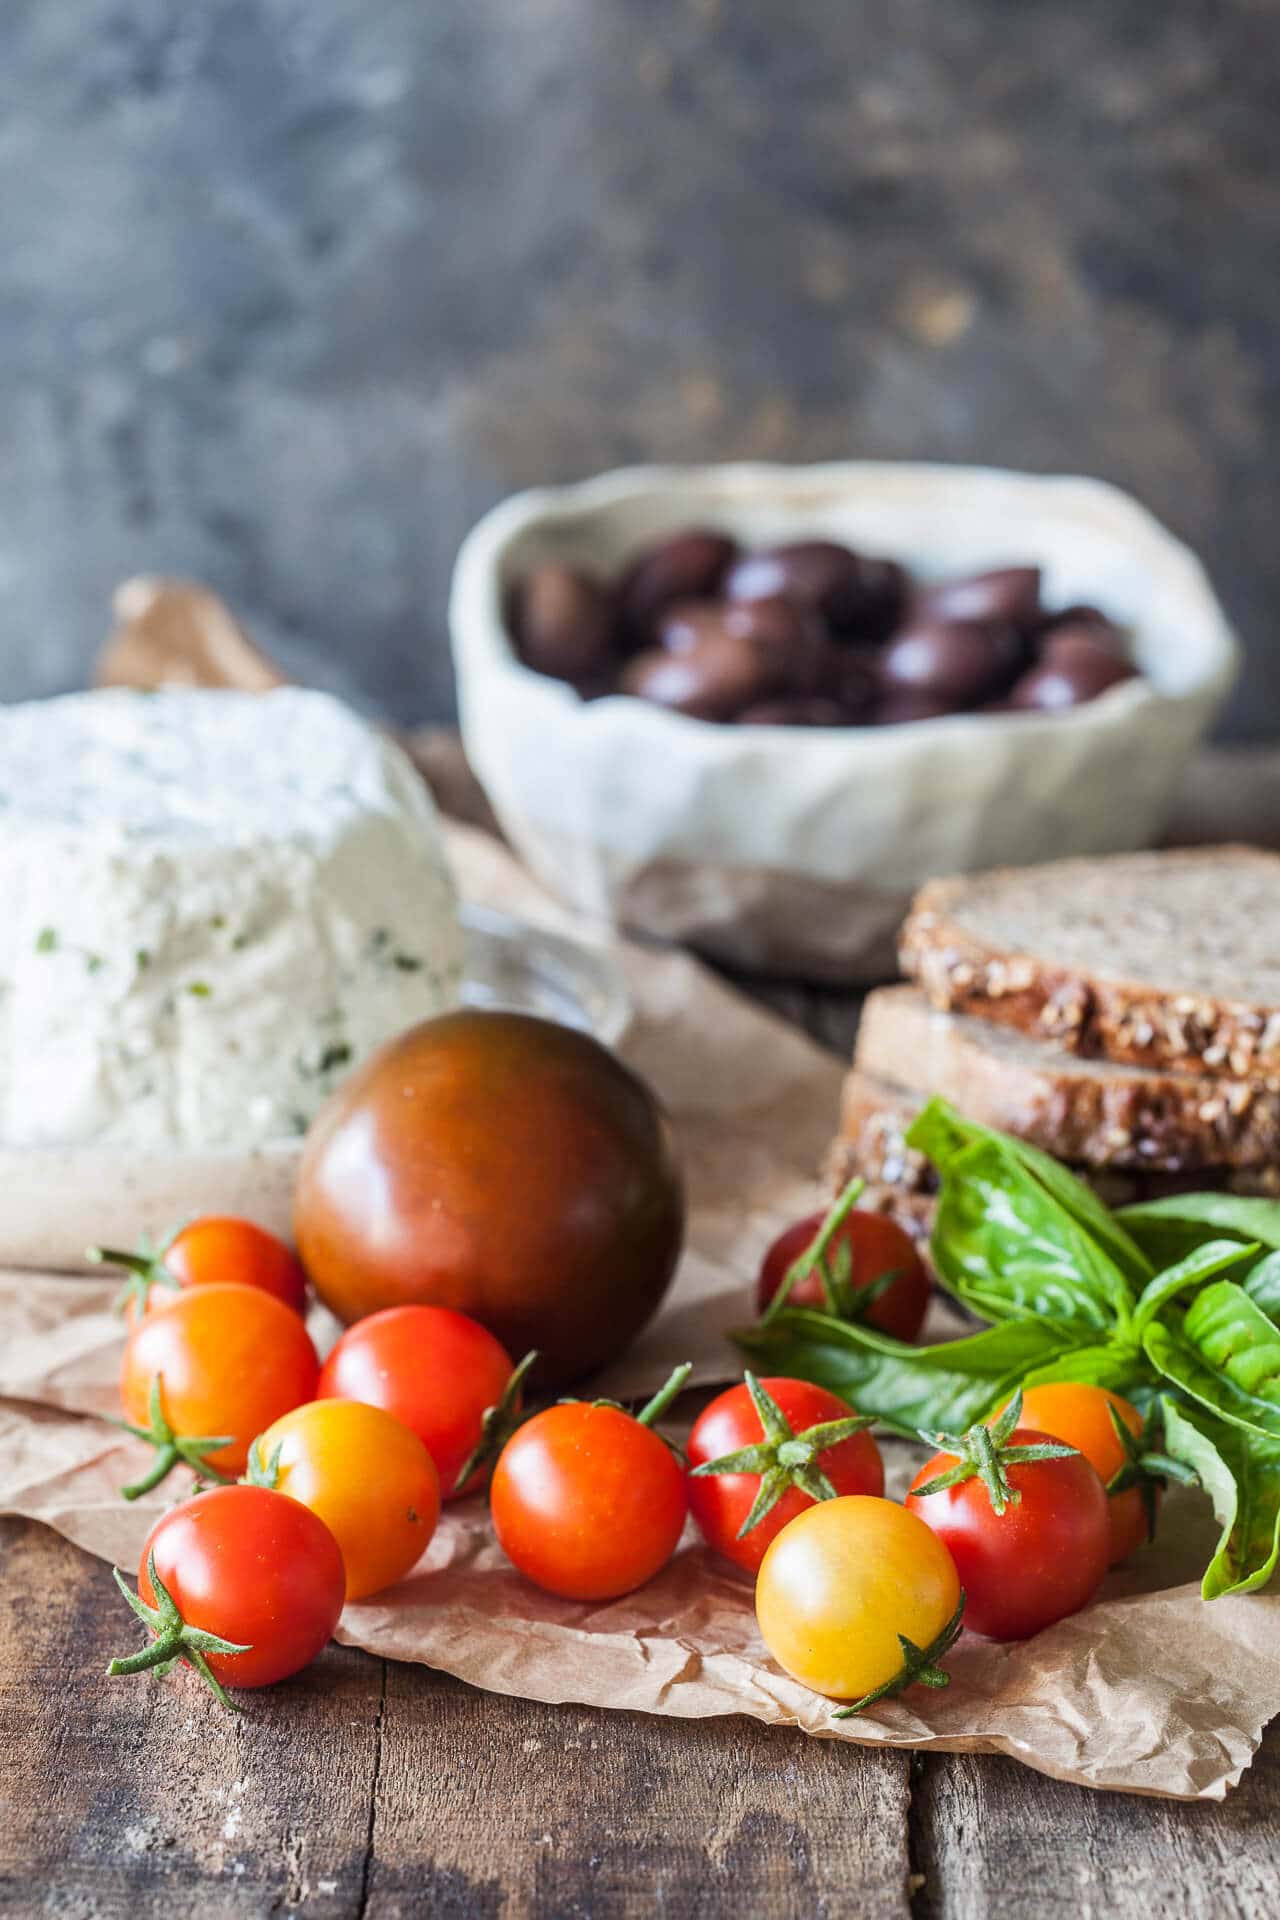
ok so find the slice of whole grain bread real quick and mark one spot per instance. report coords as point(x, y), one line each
point(1093, 1113)
point(875, 1116)
point(1159, 959)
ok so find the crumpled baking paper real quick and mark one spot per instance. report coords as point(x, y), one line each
point(1148, 1690)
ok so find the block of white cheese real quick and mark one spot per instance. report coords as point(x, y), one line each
point(212, 905)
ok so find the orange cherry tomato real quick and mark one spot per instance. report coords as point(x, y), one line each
point(436, 1370)
point(1079, 1415)
point(370, 1480)
point(214, 1250)
point(875, 1246)
point(587, 1502)
point(223, 1360)
point(256, 1569)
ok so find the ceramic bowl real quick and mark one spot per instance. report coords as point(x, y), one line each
point(794, 850)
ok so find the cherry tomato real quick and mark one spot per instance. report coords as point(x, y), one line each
point(838, 1586)
point(722, 1503)
point(215, 1249)
point(875, 1246)
point(229, 1360)
point(254, 1568)
point(587, 1501)
point(1080, 1415)
point(436, 1370)
point(1040, 1559)
point(370, 1480)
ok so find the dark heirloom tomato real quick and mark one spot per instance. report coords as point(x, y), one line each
point(504, 1166)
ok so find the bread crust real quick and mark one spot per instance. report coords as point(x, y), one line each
point(1094, 1114)
point(1129, 1021)
point(875, 1116)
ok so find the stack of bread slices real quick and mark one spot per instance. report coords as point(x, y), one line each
point(1121, 1013)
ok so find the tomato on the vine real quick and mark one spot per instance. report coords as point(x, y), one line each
point(199, 1380)
point(1082, 1416)
point(368, 1477)
point(858, 1264)
point(243, 1584)
point(858, 1599)
point(761, 1453)
point(1024, 1518)
point(216, 1249)
point(438, 1371)
point(587, 1500)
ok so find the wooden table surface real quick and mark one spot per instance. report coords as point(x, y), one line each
point(366, 1788)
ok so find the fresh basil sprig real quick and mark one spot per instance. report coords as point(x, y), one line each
point(1176, 1302)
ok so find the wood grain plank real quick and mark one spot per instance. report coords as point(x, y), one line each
point(367, 1789)
point(567, 1810)
point(142, 1797)
point(995, 1841)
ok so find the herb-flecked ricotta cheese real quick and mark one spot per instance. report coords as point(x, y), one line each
point(212, 906)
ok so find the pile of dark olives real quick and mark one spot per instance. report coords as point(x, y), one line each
point(811, 634)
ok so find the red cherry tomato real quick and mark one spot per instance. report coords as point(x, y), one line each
point(1041, 1559)
point(587, 1501)
point(207, 1252)
point(722, 1503)
point(436, 1370)
point(228, 1361)
point(253, 1568)
point(875, 1246)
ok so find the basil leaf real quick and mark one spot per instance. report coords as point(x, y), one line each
point(949, 1385)
point(1168, 1229)
point(1240, 1472)
point(1004, 1243)
point(1235, 1336)
point(1122, 1369)
point(1208, 1260)
point(1185, 1367)
point(1010, 1214)
point(1263, 1286)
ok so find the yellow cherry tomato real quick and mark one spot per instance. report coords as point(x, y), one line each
point(841, 1582)
point(365, 1474)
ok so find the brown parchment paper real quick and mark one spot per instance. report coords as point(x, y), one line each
point(1147, 1690)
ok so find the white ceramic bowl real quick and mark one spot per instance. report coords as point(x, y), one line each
point(791, 849)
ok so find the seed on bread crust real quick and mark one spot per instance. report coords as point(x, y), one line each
point(1089, 1004)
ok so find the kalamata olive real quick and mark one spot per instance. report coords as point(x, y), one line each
point(563, 624)
point(688, 566)
point(903, 709)
point(949, 660)
point(1006, 593)
point(504, 1166)
point(850, 679)
point(793, 635)
point(805, 710)
point(850, 592)
point(1064, 633)
point(1080, 614)
point(713, 679)
point(1075, 669)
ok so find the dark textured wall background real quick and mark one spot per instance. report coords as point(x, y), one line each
point(290, 290)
